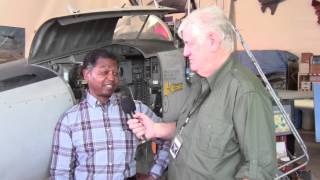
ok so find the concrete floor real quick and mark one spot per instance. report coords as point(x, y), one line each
point(314, 153)
point(313, 166)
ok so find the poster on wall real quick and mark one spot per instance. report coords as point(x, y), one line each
point(12, 42)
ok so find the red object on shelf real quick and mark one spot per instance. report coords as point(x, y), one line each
point(316, 5)
point(281, 138)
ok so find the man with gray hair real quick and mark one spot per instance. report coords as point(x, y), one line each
point(225, 129)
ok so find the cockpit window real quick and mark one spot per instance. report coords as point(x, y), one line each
point(151, 27)
point(12, 40)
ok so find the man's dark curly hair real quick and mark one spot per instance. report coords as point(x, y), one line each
point(90, 60)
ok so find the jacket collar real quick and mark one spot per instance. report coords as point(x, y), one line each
point(220, 73)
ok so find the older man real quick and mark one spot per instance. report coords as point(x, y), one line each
point(225, 130)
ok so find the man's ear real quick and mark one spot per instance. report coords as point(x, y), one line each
point(215, 40)
point(86, 74)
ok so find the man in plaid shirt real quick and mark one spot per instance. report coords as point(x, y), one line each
point(92, 139)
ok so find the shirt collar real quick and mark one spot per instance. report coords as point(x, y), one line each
point(221, 72)
point(92, 101)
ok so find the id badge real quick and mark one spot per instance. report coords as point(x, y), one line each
point(175, 146)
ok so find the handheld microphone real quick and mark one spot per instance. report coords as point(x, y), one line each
point(129, 107)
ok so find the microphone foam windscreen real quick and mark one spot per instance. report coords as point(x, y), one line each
point(128, 105)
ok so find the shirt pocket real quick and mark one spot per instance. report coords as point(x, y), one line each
point(214, 137)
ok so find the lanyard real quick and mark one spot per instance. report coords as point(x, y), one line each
point(200, 100)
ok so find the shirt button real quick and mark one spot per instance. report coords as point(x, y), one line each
point(110, 146)
point(108, 129)
point(110, 163)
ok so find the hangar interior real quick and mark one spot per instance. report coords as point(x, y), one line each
point(287, 49)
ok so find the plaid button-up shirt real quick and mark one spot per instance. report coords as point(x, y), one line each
point(95, 142)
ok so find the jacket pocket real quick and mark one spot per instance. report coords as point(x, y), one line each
point(214, 137)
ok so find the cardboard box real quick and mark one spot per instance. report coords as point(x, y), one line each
point(302, 78)
point(315, 65)
point(281, 149)
point(304, 68)
point(315, 78)
point(315, 69)
point(305, 57)
point(305, 86)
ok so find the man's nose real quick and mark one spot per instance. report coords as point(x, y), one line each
point(111, 76)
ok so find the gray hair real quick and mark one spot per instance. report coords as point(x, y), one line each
point(208, 19)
